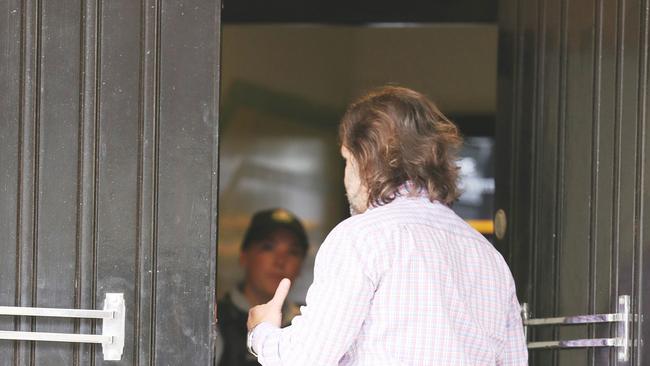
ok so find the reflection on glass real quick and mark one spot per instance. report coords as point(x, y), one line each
point(476, 165)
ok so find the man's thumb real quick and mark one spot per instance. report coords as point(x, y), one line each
point(281, 293)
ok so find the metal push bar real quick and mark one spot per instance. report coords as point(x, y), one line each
point(112, 316)
point(621, 342)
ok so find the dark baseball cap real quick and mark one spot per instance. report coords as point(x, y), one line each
point(265, 222)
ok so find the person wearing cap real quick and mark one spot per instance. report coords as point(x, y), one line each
point(274, 247)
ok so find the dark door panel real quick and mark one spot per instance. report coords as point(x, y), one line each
point(108, 160)
point(571, 134)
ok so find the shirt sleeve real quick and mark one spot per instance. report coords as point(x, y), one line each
point(515, 351)
point(337, 303)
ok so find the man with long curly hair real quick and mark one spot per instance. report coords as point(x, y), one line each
point(404, 281)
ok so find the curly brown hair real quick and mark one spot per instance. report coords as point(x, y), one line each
point(397, 135)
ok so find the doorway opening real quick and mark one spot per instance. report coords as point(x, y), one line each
point(285, 84)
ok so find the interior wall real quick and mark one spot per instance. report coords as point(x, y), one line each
point(454, 64)
point(309, 61)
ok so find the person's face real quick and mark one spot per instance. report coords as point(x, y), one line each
point(354, 188)
point(268, 261)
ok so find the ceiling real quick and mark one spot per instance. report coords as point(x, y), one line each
point(359, 11)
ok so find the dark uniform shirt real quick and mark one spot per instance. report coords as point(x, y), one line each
point(232, 315)
point(232, 325)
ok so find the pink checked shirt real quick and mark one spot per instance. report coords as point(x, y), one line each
point(407, 283)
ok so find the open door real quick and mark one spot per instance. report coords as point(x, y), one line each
point(573, 165)
point(108, 161)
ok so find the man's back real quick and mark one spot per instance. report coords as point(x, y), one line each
point(444, 295)
point(407, 283)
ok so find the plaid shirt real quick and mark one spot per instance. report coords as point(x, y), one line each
point(406, 283)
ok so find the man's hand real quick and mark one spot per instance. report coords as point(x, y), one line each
point(271, 312)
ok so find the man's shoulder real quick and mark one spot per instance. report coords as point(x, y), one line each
point(356, 224)
point(410, 213)
point(388, 217)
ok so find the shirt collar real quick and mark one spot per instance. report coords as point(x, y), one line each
point(406, 190)
point(239, 300)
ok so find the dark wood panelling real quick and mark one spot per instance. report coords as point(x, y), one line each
point(549, 137)
point(144, 324)
point(10, 30)
point(86, 261)
point(117, 159)
point(507, 58)
point(576, 252)
point(57, 172)
point(640, 190)
point(108, 161)
point(186, 253)
point(523, 184)
point(642, 305)
point(602, 163)
point(578, 119)
point(625, 194)
point(28, 170)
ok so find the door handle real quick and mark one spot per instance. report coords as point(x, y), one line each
point(112, 316)
point(622, 340)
